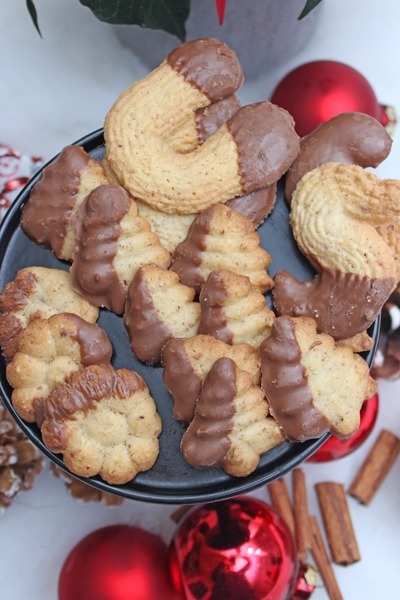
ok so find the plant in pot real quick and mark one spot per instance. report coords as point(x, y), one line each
point(262, 32)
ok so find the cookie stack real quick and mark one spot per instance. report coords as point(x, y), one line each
point(164, 232)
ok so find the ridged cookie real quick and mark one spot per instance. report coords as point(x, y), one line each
point(312, 385)
point(232, 311)
point(336, 210)
point(231, 427)
point(104, 422)
point(63, 185)
point(350, 138)
point(48, 351)
point(250, 152)
point(157, 308)
point(221, 238)
point(112, 243)
point(37, 293)
point(186, 362)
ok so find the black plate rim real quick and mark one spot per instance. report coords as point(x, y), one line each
point(90, 142)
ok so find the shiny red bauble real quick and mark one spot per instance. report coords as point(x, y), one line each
point(336, 448)
point(117, 563)
point(319, 90)
point(235, 549)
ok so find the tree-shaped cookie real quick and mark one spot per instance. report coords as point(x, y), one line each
point(157, 308)
point(112, 243)
point(186, 362)
point(312, 384)
point(231, 427)
point(232, 311)
point(221, 238)
point(64, 183)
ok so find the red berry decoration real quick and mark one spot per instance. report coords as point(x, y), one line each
point(235, 549)
point(319, 90)
point(117, 563)
point(336, 448)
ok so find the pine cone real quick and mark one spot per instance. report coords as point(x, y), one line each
point(19, 460)
point(83, 492)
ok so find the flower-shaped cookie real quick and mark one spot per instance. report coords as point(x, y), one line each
point(231, 427)
point(48, 351)
point(104, 422)
point(37, 293)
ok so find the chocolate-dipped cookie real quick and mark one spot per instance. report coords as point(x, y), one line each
point(48, 351)
point(336, 210)
point(112, 243)
point(63, 184)
point(231, 427)
point(312, 385)
point(251, 151)
point(158, 308)
point(232, 311)
point(221, 238)
point(187, 361)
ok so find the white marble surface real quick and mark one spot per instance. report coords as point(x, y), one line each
point(56, 89)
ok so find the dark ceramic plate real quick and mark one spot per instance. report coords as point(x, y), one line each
point(171, 480)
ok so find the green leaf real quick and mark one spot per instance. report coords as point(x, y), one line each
point(309, 6)
point(32, 11)
point(169, 15)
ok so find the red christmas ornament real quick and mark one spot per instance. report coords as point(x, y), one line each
point(234, 549)
point(319, 90)
point(117, 563)
point(221, 10)
point(336, 448)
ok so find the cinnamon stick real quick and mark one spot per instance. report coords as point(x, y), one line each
point(280, 500)
point(376, 466)
point(337, 521)
point(179, 513)
point(322, 562)
point(301, 516)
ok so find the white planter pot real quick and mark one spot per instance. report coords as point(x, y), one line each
point(262, 32)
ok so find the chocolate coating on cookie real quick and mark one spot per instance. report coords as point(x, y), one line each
point(210, 118)
point(147, 332)
point(354, 138)
point(45, 216)
point(179, 376)
point(213, 318)
point(97, 223)
point(267, 144)
point(255, 206)
point(284, 381)
point(206, 441)
point(82, 391)
point(342, 304)
point(187, 256)
point(209, 65)
point(94, 345)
